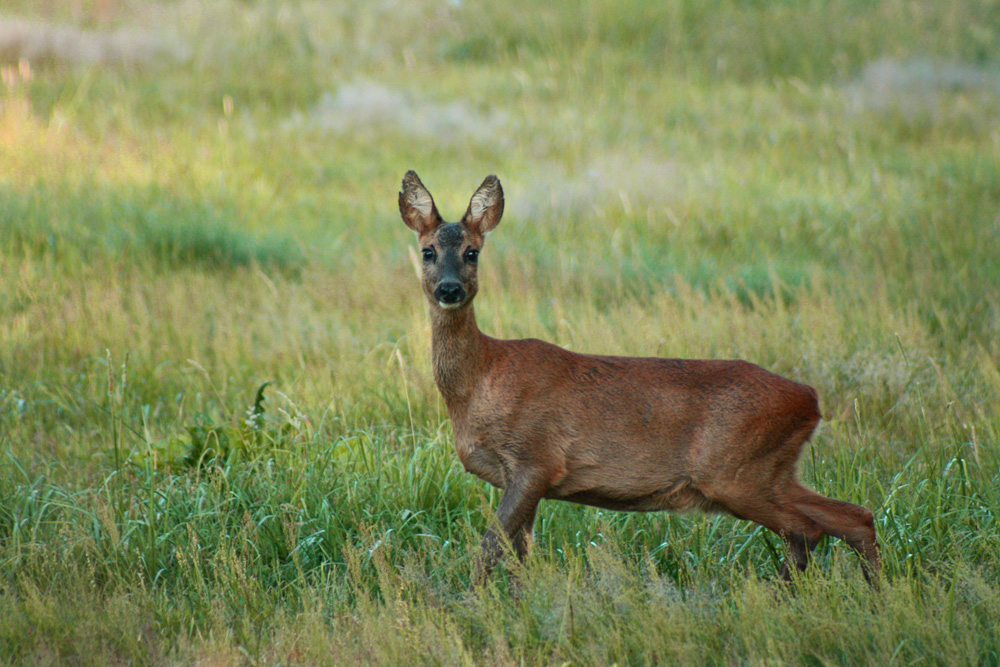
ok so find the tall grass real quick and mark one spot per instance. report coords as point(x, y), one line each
point(813, 187)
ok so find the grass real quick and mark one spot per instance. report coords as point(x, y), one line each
point(813, 187)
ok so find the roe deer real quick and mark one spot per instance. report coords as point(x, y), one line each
point(622, 433)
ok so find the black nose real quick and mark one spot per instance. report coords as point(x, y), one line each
point(449, 293)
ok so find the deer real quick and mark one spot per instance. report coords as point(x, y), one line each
point(637, 434)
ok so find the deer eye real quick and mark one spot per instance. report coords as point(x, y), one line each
point(471, 255)
point(429, 254)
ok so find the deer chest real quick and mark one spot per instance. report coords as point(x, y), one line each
point(478, 459)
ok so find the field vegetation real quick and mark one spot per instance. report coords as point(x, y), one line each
point(197, 199)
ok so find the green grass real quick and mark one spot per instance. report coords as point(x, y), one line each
point(810, 186)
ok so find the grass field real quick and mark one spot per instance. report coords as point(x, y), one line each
point(199, 198)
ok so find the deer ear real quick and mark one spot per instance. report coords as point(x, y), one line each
point(485, 207)
point(417, 206)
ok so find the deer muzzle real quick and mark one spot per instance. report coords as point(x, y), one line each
point(449, 294)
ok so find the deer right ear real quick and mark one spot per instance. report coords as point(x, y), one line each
point(417, 206)
point(486, 207)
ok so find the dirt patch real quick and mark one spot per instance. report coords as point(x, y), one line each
point(920, 87)
point(39, 42)
point(628, 182)
point(371, 106)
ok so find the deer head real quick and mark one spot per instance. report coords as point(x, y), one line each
point(450, 250)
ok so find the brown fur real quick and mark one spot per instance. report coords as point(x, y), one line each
point(623, 433)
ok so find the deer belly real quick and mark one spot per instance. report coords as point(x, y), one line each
point(680, 496)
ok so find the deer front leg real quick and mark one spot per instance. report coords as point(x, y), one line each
point(515, 518)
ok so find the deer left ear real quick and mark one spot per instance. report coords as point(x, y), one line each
point(485, 207)
point(417, 206)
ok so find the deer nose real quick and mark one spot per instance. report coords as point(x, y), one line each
point(449, 293)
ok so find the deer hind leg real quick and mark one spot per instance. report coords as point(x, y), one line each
point(852, 523)
point(800, 547)
point(797, 529)
point(802, 517)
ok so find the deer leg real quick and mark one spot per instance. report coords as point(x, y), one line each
point(852, 523)
point(799, 531)
point(515, 519)
point(800, 547)
point(802, 517)
point(522, 539)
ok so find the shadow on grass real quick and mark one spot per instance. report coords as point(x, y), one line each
point(103, 225)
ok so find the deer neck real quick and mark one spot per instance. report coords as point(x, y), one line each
point(457, 351)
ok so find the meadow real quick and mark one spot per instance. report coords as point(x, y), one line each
point(199, 199)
